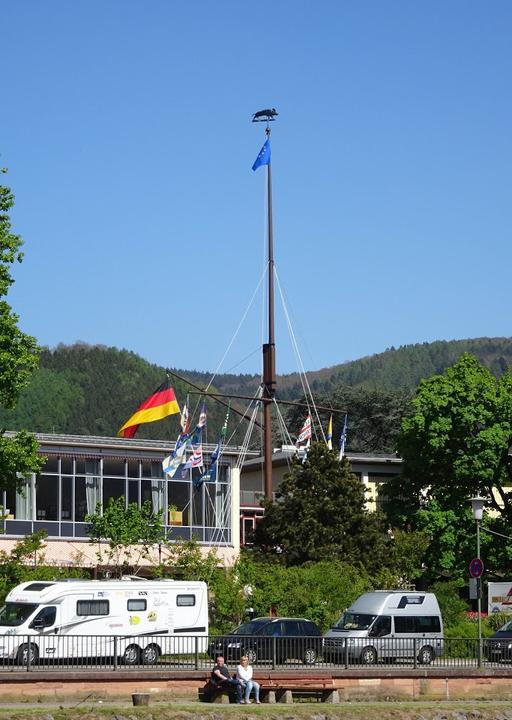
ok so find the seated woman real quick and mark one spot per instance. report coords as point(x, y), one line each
point(244, 675)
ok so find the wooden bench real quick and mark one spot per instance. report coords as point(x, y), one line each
point(277, 691)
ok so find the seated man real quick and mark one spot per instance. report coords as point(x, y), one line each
point(221, 678)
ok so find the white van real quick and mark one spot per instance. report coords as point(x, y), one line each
point(387, 625)
point(132, 619)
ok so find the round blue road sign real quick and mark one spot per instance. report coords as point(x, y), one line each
point(476, 568)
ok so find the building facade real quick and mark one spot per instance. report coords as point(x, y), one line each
point(82, 472)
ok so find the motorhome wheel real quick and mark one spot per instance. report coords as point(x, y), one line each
point(150, 655)
point(27, 654)
point(131, 655)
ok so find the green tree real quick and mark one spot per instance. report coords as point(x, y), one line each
point(320, 512)
point(130, 532)
point(455, 445)
point(184, 560)
point(18, 357)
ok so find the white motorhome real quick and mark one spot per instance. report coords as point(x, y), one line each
point(131, 619)
point(387, 625)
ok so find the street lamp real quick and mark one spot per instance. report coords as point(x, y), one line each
point(477, 505)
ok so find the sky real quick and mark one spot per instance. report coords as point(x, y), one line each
point(126, 129)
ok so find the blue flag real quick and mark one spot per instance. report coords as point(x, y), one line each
point(263, 157)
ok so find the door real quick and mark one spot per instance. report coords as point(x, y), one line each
point(381, 637)
point(44, 625)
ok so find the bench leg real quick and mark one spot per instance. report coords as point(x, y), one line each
point(221, 698)
point(268, 696)
point(331, 696)
point(285, 696)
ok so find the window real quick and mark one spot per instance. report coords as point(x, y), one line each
point(37, 587)
point(44, 618)
point(417, 624)
point(410, 600)
point(137, 605)
point(292, 627)
point(405, 625)
point(185, 600)
point(309, 628)
point(92, 607)
point(381, 626)
point(428, 624)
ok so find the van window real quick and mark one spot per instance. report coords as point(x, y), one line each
point(427, 624)
point(92, 607)
point(381, 626)
point(410, 600)
point(136, 605)
point(45, 617)
point(185, 600)
point(417, 624)
point(405, 625)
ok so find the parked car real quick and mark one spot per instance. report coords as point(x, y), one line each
point(270, 639)
point(499, 646)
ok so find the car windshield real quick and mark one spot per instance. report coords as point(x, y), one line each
point(355, 621)
point(507, 627)
point(16, 613)
point(250, 628)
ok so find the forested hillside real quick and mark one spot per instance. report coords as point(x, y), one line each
point(93, 390)
point(82, 389)
point(394, 369)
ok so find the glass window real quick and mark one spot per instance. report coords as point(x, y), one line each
point(355, 621)
point(133, 469)
point(133, 491)
point(113, 467)
point(185, 600)
point(381, 626)
point(52, 464)
point(179, 495)
point(45, 617)
point(113, 488)
point(405, 625)
point(292, 627)
point(24, 502)
point(66, 466)
point(47, 497)
point(137, 605)
point(66, 512)
point(13, 614)
point(426, 624)
point(92, 607)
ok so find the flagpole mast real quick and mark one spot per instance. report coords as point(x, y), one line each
point(269, 349)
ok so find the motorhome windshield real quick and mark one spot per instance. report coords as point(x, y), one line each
point(16, 613)
point(355, 621)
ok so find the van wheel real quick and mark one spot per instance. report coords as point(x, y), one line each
point(309, 656)
point(27, 654)
point(251, 655)
point(131, 655)
point(368, 656)
point(150, 655)
point(426, 655)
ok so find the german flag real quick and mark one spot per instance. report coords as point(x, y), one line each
point(156, 407)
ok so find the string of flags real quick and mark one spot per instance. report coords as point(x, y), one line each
point(304, 437)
